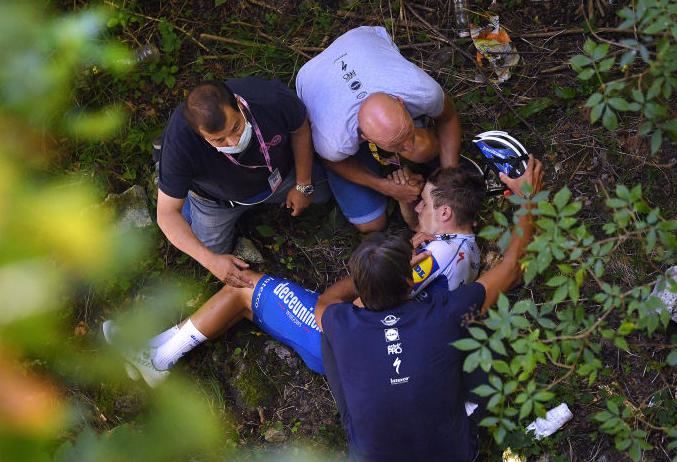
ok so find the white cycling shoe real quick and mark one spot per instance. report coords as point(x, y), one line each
point(138, 364)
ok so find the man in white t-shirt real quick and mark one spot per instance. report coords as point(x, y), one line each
point(361, 89)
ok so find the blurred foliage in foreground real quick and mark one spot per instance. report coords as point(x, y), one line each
point(55, 241)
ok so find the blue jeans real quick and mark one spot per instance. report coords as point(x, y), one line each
point(214, 224)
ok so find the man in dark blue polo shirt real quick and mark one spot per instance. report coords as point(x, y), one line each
point(229, 147)
point(390, 366)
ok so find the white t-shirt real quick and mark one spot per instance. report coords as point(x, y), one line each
point(454, 261)
point(360, 62)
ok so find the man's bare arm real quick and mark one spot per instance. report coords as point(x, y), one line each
point(509, 272)
point(226, 268)
point(449, 134)
point(340, 292)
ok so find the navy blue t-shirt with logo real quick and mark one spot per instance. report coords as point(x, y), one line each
point(396, 379)
point(188, 161)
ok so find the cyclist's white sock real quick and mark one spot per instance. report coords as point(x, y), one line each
point(159, 339)
point(187, 338)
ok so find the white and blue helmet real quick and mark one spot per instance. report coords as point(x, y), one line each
point(502, 152)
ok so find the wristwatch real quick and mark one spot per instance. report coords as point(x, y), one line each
point(305, 189)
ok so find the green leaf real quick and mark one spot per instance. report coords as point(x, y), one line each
point(500, 219)
point(655, 88)
point(596, 112)
point(606, 64)
point(525, 409)
point(484, 391)
point(656, 141)
point(615, 203)
point(497, 345)
point(594, 99)
point(672, 358)
point(471, 362)
point(477, 333)
point(466, 344)
point(586, 74)
point(589, 46)
point(560, 294)
point(556, 281)
point(566, 93)
point(265, 230)
point(579, 61)
point(544, 396)
point(535, 106)
point(561, 198)
point(490, 232)
point(627, 58)
point(618, 103)
point(571, 209)
point(600, 51)
point(574, 293)
point(610, 121)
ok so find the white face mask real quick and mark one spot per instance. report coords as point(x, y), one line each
point(245, 138)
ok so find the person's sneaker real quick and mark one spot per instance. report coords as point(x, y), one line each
point(137, 363)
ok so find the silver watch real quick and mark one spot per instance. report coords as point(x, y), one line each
point(306, 189)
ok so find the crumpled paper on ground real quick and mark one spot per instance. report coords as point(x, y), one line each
point(554, 419)
point(495, 47)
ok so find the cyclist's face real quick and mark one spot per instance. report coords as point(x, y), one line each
point(426, 212)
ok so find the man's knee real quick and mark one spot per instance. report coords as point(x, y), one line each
point(378, 224)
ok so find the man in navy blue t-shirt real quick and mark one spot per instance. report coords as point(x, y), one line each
point(390, 366)
point(228, 147)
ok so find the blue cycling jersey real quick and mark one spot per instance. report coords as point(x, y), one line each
point(286, 311)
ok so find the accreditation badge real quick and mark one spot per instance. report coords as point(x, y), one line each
point(275, 180)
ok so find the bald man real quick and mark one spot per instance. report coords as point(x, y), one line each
point(361, 90)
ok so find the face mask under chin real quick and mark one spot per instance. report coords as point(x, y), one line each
point(242, 144)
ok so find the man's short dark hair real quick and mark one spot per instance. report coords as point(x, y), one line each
point(204, 106)
point(380, 269)
point(460, 189)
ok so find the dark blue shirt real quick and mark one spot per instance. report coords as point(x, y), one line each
point(396, 379)
point(188, 161)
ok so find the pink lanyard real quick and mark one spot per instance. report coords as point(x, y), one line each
point(259, 136)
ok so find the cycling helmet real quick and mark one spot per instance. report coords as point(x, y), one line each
point(502, 152)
